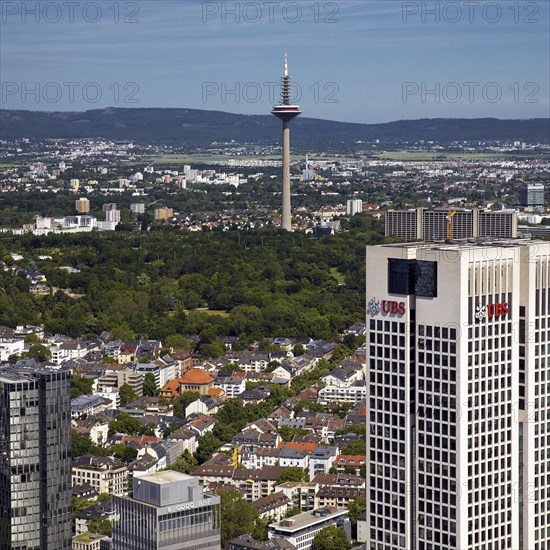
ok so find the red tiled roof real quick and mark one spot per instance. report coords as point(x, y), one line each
point(310, 447)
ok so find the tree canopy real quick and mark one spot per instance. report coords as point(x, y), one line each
point(330, 538)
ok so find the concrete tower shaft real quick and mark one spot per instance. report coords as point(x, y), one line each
point(286, 112)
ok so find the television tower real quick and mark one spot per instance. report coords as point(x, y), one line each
point(286, 112)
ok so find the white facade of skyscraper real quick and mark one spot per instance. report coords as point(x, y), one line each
point(458, 342)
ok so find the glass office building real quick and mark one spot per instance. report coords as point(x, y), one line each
point(35, 459)
point(167, 511)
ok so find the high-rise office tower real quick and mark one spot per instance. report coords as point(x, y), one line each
point(286, 112)
point(458, 374)
point(35, 459)
point(532, 194)
point(167, 511)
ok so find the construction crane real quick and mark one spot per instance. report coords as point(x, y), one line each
point(450, 225)
point(235, 458)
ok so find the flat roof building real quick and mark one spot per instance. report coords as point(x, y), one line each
point(532, 194)
point(167, 511)
point(300, 530)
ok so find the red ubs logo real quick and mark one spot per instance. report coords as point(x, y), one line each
point(389, 306)
point(497, 310)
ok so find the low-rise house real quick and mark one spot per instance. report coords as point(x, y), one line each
point(321, 460)
point(294, 457)
point(148, 348)
point(347, 373)
point(105, 474)
point(126, 354)
point(337, 497)
point(253, 457)
point(204, 405)
point(253, 436)
point(84, 491)
point(67, 349)
point(255, 361)
point(349, 481)
point(148, 405)
point(280, 413)
point(200, 424)
point(88, 405)
point(160, 423)
point(186, 437)
point(146, 463)
point(101, 510)
point(273, 506)
point(319, 349)
point(252, 483)
point(93, 429)
point(255, 484)
point(343, 462)
point(257, 395)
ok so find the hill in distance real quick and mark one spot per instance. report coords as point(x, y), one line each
point(196, 127)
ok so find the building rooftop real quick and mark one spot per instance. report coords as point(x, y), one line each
point(306, 519)
point(166, 477)
point(196, 376)
point(462, 244)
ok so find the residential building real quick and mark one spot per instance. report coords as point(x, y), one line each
point(137, 208)
point(232, 385)
point(354, 206)
point(104, 473)
point(273, 506)
point(167, 510)
point(335, 394)
point(87, 541)
point(163, 213)
point(301, 494)
point(82, 205)
point(35, 451)
point(86, 405)
point(321, 459)
point(115, 378)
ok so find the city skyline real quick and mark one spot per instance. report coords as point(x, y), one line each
point(356, 61)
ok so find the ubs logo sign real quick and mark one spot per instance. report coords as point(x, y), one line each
point(375, 306)
point(491, 310)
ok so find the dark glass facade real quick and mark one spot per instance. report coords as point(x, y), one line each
point(35, 461)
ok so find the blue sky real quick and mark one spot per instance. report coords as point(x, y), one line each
point(357, 61)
